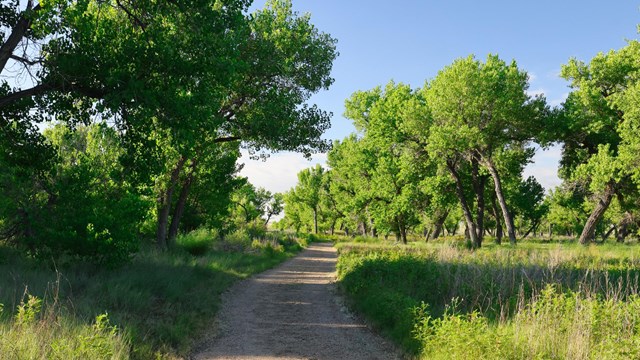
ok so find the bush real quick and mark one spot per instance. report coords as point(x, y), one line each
point(238, 240)
point(197, 242)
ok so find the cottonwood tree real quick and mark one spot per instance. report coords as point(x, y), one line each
point(308, 191)
point(593, 125)
point(349, 166)
point(477, 110)
point(177, 85)
point(395, 174)
point(285, 59)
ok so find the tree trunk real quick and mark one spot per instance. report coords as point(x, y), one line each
point(608, 233)
point(478, 187)
point(439, 224)
point(315, 221)
point(182, 201)
point(468, 217)
point(17, 34)
point(535, 225)
point(496, 215)
point(508, 220)
point(164, 204)
point(601, 206)
point(623, 226)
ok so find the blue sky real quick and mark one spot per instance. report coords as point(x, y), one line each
point(410, 41)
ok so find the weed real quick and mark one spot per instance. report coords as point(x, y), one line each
point(537, 300)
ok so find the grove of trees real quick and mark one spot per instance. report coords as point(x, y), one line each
point(145, 106)
point(453, 152)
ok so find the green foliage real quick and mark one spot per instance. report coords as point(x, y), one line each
point(64, 319)
point(459, 336)
point(307, 194)
point(497, 303)
point(197, 242)
point(52, 335)
point(82, 208)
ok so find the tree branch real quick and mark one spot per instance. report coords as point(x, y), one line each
point(17, 34)
point(24, 61)
point(226, 139)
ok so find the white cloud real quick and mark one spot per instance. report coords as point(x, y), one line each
point(279, 172)
point(554, 74)
point(536, 92)
point(559, 101)
point(532, 77)
point(545, 167)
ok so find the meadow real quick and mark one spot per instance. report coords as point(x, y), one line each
point(156, 306)
point(540, 299)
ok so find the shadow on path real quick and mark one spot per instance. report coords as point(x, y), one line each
point(291, 312)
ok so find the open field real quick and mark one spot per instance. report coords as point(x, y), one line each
point(550, 300)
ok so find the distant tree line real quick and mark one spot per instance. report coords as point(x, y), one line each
point(453, 152)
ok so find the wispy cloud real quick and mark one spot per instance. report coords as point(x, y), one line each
point(545, 167)
point(536, 92)
point(279, 172)
point(559, 101)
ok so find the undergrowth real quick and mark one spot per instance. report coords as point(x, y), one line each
point(537, 300)
point(153, 307)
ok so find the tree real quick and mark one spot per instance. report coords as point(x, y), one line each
point(395, 174)
point(177, 85)
point(592, 125)
point(478, 110)
point(82, 206)
point(274, 207)
point(308, 190)
point(265, 106)
point(351, 174)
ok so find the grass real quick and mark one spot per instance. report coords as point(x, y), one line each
point(154, 307)
point(539, 299)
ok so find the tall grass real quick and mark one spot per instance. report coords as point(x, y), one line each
point(442, 301)
point(157, 305)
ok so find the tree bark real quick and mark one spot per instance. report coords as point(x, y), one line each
point(439, 224)
point(315, 221)
point(426, 234)
point(535, 225)
point(478, 187)
point(18, 32)
point(182, 201)
point(496, 215)
point(508, 220)
point(608, 233)
point(402, 229)
point(164, 205)
point(602, 205)
point(468, 217)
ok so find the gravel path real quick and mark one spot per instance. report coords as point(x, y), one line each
point(292, 312)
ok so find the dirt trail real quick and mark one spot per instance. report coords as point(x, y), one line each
point(292, 312)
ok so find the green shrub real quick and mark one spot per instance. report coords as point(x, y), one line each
point(238, 240)
point(197, 242)
point(536, 301)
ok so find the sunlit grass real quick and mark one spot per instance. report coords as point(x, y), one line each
point(497, 302)
point(160, 302)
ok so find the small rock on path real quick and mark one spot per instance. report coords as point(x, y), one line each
point(292, 312)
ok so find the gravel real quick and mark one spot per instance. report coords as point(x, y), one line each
point(291, 312)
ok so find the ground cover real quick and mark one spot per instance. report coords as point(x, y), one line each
point(539, 299)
